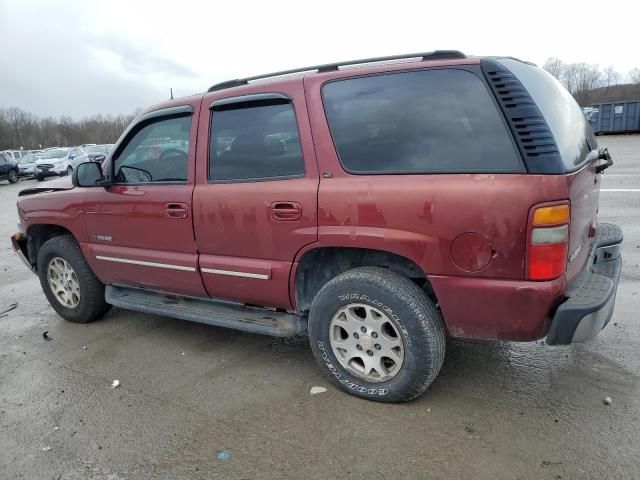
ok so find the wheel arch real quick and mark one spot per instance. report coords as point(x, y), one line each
point(317, 266)
point(38, 234)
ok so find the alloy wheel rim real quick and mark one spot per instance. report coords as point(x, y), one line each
point(366, 342)
point(63, 282)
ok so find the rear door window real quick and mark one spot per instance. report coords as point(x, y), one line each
point(255, 141)
point(427, 121)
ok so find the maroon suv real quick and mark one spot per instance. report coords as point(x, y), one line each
point(381, 204)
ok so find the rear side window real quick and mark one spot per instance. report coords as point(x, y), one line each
point(254, 141)
point(428, 121)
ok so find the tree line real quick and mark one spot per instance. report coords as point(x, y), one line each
point(23, 129)
point(590, 84)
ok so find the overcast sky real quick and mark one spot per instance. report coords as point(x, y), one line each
point(83, 57)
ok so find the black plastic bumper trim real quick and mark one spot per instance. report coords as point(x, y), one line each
point(591, 296)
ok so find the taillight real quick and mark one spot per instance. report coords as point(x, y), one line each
point(548, 242)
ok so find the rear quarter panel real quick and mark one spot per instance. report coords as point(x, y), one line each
point(419, 216)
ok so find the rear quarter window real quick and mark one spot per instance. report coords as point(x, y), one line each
point(427, 121)
point(569, 126)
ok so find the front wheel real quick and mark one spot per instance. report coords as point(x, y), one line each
point(377, 335)
point(69, 170)
point(13, 176)
point(39, 177)
point(68, 282)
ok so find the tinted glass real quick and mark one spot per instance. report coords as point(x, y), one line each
point(418, 122)
point(569, 126)
point(253, 142)
point(156, 153)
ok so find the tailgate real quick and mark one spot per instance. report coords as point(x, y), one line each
point(584, 192)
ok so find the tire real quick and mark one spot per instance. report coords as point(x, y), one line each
point(69, 170)
point(90, 303)
point(13, 176)
point(39, 178)
point(407, 309)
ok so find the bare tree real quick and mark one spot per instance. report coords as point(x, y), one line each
point(581, 79)
point(570, 77)
point(634, 76)
point(555, 67)
point(611, 76)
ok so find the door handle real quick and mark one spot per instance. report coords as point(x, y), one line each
point(176, 210)
point(287, 211)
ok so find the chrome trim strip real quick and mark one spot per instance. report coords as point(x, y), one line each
point(232, 273)
point(146, 264)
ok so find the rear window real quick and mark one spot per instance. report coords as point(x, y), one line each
point(570, 128)
point(428, 121)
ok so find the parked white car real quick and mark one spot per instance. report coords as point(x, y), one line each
point(27, 164)
point(15, 155)
point(59, 161)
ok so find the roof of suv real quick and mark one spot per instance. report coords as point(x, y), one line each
point(248, 85)
point(434, 58)
point(331, 67)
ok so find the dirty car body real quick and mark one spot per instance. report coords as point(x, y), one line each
point(475, 179)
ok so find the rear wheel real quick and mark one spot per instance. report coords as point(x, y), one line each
point(68, 282)
point(377, 335)
point(39, 177)
point(13, 176)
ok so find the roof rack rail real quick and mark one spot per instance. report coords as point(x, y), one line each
point(329, 67)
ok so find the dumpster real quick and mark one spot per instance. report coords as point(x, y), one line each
point(616, 117)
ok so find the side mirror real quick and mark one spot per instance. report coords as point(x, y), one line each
point(99, 158)
point(87, 174)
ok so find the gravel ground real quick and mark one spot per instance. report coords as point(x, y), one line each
point(202, 402)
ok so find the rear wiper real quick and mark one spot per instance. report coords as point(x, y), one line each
point(603, 154)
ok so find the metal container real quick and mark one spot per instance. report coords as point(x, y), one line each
point(616, 117)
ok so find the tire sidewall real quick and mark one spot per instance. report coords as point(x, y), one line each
point(48, 251)
point(13, 176)
point(406, 320)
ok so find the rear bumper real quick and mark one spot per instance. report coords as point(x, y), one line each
point(592, 294)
